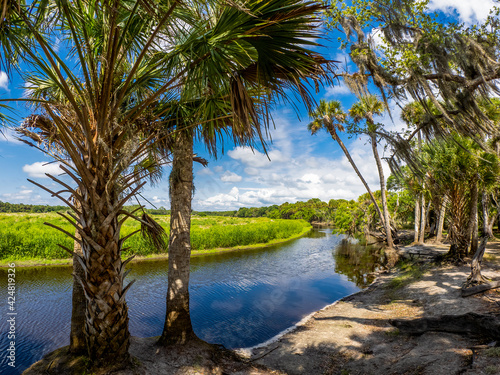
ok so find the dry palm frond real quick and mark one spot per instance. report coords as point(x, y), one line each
point(153, 232)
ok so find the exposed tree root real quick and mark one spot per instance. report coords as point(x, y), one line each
point(474, 289)
point(468, 324)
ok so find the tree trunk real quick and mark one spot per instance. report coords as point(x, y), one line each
point(387, 221)
point(178, 328)
point(421, 237)
point(440, 225)
point(472, 214)
point(106, 325)
point(417, 220)
point(491, 223)
point(487, 229)
point(475, 276)
point(337, 139)
point(77, 342)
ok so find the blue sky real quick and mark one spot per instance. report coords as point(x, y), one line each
point(301, 166)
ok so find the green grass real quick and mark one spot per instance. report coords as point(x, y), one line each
point(25, 237)
point(492, 352)
point(409, 272)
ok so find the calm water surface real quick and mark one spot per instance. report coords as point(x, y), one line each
point(237, 299)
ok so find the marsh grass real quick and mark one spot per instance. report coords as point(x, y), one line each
point(24, 236)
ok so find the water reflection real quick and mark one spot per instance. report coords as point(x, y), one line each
point(356, 261)
point(237, 299)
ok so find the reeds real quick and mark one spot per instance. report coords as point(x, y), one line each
point(24, 237)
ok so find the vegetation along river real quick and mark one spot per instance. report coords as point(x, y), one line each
point(238, 299)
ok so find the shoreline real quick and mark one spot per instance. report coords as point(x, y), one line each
point(352, 335)
point(247, 352)
point(153, 257)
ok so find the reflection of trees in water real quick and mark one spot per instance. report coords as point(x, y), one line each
point(356, 261)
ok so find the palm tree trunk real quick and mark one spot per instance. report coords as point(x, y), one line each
point(487, 229)
point(337, 139)
point(421, 238)
point(417, 219)
point(178, 328)
point(77, 342)
point(472, 214)
point(475, 276)
point(106, 325)
point(440, 225)
point(387, 221)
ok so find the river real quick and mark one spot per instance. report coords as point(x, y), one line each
point(238, 299)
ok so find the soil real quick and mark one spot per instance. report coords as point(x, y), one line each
point(353, 336)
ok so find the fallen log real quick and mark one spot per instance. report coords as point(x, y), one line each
point(468, 324)
point(480, 288)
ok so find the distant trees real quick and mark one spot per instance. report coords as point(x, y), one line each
point(31, 208)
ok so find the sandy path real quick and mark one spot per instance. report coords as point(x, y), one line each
point(354, 336)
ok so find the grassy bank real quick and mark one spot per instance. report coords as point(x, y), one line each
point(24, 237)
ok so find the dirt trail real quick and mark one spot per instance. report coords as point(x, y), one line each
point(354, 336)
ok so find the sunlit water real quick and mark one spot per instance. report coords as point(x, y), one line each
point(237, 299)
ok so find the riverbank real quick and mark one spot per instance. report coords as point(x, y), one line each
point(154, 257)
point(354, 335)
point(27, 241)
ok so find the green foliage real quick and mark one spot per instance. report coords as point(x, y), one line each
point(24, 236)
point(21, 207)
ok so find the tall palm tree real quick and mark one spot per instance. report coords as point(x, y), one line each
point(239, 86)
point(364, 110)
point(330, 116)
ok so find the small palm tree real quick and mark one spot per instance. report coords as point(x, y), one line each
point(364, 110)
point(331, 117)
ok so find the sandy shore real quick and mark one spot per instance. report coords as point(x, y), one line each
point(354, 336)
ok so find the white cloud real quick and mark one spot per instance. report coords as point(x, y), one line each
point(338, 90)
point(38, 169)
point(468, 10)
point(301, 167)
point(229, 176)
point(9, 136)
point(299, 177)
point(205, 172)
point(4, 81)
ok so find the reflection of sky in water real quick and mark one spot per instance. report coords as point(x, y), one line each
point(237, 300)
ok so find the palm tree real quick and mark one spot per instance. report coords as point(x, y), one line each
point(239, 86)
point(365, 109)
point(330, 116)
point(98, 119)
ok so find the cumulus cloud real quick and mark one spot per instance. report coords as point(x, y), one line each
point(300, 177)
point(301, 167)
point(337, 90)
point(255, 158)
point(4, 81)
point(467, 10)
point(9, 136)
point(229, 176)
point(38, 169)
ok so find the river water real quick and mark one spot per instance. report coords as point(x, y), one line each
point(238, 299)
